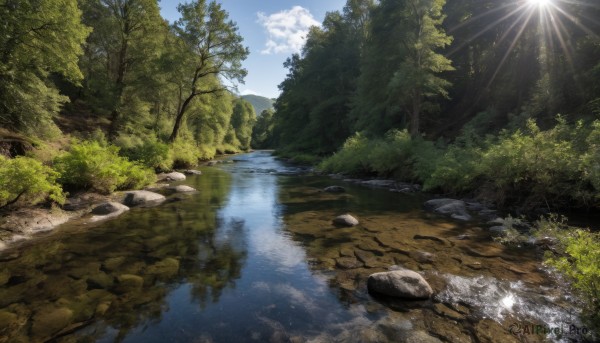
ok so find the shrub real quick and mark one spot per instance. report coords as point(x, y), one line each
point(353, 158)
point(148, 151)
point(26, 180)
point(185, 153)
point(89, 165)
point(577, 256)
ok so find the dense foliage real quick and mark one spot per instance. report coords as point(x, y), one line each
point(26, 180)
point(89, 165)
point(556, 167)
point(460, 96)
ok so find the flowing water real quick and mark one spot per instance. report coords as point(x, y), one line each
point(253, 257)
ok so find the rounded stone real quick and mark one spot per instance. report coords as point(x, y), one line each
point(345, 220)
point(403, 283)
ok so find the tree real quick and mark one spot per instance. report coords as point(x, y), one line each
point(124, 43)
point(242, 121)
point(38, 38)
point(263, 130)
point(416, 80)
point(214, 49)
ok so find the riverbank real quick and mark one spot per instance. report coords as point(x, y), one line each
point(19, 224)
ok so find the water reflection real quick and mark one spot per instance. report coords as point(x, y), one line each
point(253, 257)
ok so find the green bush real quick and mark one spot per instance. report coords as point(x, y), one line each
point(25, 180)
point(352, 159)
point(185, 153)
point(148, 151)
point(577, 256)
point(89, 165)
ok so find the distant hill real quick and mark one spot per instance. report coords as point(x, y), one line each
point(260, 103)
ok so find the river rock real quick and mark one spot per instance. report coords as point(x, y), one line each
point(334, 189)
point(182, 189)
point(345, 220)
point(173, 176)
point(108, 210)
point(166, 268)
point(403, 283)
point(137, 198)
point(192, 172)
point(129, 283)
point(451, 207)
point(49, 321)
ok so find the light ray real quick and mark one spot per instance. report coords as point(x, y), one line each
point(486, 29)
point(509, 50)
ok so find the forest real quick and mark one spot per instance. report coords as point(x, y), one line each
point(496, 101)
point(499, 99)
point(101, 94)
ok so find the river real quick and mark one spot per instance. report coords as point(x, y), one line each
point(253, 257)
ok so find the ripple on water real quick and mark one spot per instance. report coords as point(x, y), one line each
point(504, 300)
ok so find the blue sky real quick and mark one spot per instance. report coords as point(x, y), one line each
point(272, 29)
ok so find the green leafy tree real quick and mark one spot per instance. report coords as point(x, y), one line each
point(242, 121)
point(215, 49)
point(262, 133)
point(416, 81)
point(38, 38)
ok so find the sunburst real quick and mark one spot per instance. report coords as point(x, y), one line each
point(551, 17)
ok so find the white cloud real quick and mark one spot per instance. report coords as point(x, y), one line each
point(287, 29)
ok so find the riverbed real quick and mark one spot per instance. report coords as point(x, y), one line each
point(253, 257)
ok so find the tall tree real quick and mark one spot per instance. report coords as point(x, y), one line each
point(215, 48)
point(38, 38)
point(123, 41)
point(416, 80)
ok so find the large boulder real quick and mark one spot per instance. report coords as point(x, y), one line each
point(173, 176)
point(402, 283)
point(138, 198)
point(345, 220)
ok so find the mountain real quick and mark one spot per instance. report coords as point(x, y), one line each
point(260, 103)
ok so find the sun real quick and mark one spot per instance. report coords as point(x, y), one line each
point(539, 3)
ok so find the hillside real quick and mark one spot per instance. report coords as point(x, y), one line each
point(260, 103)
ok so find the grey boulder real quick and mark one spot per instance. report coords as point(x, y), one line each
point(138, 198)
point(108, 210)
point(173, 176)
point(403, 283)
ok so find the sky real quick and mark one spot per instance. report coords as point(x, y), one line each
point(272, 30)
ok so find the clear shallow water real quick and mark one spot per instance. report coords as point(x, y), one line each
point(253, 257)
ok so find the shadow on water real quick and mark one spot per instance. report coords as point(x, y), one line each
point(253, 257)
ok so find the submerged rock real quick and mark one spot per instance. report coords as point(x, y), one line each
point(334, 189)
point(402, 283)
point(345, 220)
point(457, 209)
point(50, 320)
point(192, 172)
point(182, 189)
point(173, 176)
point(137, 198)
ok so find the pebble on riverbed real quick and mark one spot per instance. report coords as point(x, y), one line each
point(345, 220)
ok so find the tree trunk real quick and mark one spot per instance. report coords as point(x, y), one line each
point(179, 118)
point(415, 115)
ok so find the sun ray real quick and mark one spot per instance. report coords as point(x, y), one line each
point(509, 50)
point(479, 16)
point(577, 22)
point(486, 29)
